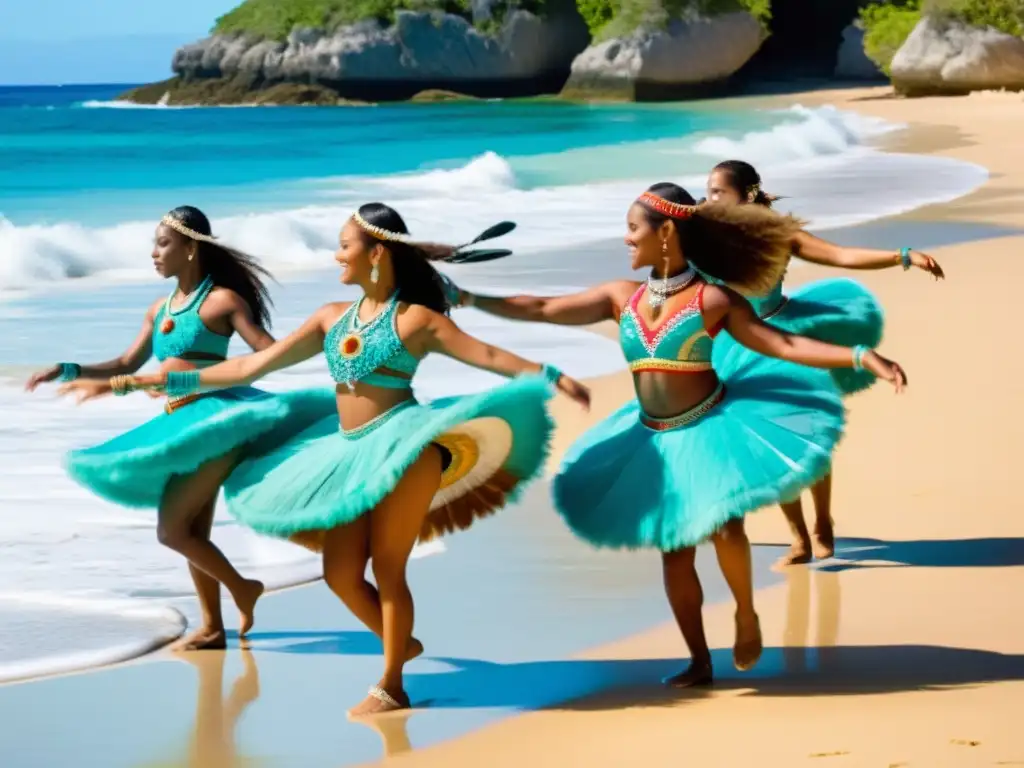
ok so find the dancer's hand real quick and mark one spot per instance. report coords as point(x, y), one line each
point(578, 392)
point(86, 389)
point(885, 369)
point(928, 264)
point(42, 377)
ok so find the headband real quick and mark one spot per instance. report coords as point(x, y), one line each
point(179, 226)
point(666, 207)
point(379, 232)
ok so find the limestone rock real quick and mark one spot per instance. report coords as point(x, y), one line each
point(666, 63)
point(946, 56)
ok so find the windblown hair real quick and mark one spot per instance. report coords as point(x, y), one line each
point(744, 178)
point(744, 246)
point(228, 267)
point(416, 280)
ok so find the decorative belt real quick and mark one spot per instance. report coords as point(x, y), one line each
point(686, 417)
point(376, 421)
point(776, 309)
point(174, 403)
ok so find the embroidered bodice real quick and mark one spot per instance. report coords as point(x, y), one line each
point(356, 351)
point(181, 331)
point(680, 343)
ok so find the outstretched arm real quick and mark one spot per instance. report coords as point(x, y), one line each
point(739, 319)
point(602, 302)
point(437, 333)
point(128, 361)
point(810, 248)
point(304, 343)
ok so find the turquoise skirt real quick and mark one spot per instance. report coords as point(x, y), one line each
point(633, 481)
point(324, 477)
point(133, 468)
point(837, 310)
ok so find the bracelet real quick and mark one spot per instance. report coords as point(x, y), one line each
point(550, 373)
point(905, 258)
point(122, 385)
point(858, 357)
point(69, 371)
point(182, 383)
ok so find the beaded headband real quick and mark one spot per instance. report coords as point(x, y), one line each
point(666, 207)
point(379, 232)
point(178, 226)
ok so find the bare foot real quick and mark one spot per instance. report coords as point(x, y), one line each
point(246, 602)
point(748, 647)
point(697, 674)
point(415, 649)
point(799, 553)
point(380, 702)
point(824, 540)
point(203, 639)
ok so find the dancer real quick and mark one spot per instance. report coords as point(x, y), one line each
point(701, 446)
point(177, 461)
point(398, 470)
point(839, 311)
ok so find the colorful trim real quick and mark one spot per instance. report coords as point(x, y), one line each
point(174, 403)
point(652, 339)
point(376, 421)
point(655, 364)
point(686, 417)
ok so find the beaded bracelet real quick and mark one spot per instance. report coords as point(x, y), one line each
point(550, 373)
point(182, 383)
point(69, 371)
point(858, 357)
point(122, 385)
point(905, 258)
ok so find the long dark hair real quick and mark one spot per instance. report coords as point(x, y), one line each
point(416, 280)
point(744, 246)
point(228, 267)
point(744, 178)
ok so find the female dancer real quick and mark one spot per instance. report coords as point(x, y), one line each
point(701, 446)
point(177, 461)
point(397, 470)
point(840, 311)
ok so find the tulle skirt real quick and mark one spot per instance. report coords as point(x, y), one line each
point(837, 310)
point(133, 469)
point(494, 442)
point(633, 481)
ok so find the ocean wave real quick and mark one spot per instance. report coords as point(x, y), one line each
point(800, 158)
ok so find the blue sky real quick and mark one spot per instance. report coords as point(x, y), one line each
point(98, 41)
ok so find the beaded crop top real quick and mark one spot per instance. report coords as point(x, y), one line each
point(679, 344)
point(181, 331)
point(357, 351)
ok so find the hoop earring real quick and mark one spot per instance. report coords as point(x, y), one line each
point(374, 274)
point(191, 255)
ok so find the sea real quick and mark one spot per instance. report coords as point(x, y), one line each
point(84, 179)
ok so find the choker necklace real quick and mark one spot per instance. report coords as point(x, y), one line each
point(659, 290)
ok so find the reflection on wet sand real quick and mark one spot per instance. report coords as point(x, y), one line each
point(212, 744)
point(392, 729)
point(795, 648)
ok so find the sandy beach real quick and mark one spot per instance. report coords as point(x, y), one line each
point(907, 649)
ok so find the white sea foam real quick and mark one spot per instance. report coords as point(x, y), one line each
point(820, 159)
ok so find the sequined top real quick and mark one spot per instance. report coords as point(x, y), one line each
point(181, 331)
point(768, 305)
point(679, 344)
point(358, 352)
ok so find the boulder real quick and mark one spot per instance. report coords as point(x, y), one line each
point(653, 64)
point(851, 61)
point(527, 55)
point(945, 56)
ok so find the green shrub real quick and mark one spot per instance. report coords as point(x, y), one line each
point(1004, 15)
point(616, 18)
point(886, 27)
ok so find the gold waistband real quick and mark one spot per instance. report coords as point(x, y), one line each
point(174, 403)
point(655, 364)
point(686, 417)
